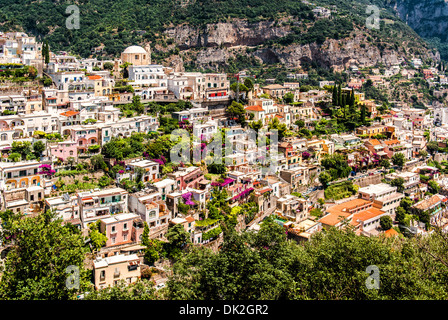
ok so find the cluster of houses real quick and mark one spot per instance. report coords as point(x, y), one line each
point(81, 106)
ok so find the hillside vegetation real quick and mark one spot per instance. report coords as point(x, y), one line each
point(117, 24)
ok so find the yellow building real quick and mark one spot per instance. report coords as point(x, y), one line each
point(18, 175)
point(33, 104)
point(372, 130)
point(109, 271)
point(101, 86)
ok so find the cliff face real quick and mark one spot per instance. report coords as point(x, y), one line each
point(239, 32)
point(215, 44)
point(429, 18)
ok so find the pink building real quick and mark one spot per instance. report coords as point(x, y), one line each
point(84, 136)
point(118, 228)
point(64, 150)
point(187, 177)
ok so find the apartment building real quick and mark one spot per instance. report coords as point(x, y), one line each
point(293, 208)
point(297, 177)
point(65, 207)
point(20, 175)
point(187, 177)
point(109, 271)
point(358, 213)
point(383, 195)
point(118, 228)
point(99, 204)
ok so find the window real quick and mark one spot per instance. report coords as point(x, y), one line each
point(113, 229)
point(125, 237)
point(125, 226)
point(113, 240)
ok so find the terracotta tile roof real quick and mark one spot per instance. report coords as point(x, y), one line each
point(284, 145)
point(333, 219)
point(69, 113)
point(374, 142)
point(389, 142)
point(189, 219)
point(428, 203)
point(264, 190)
point(254, 108)
point(367, 214)
point(279, 116)
point(390, 233)
point(349, 205)
point(96, 77)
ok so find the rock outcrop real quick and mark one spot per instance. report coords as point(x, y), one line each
point(214, 44)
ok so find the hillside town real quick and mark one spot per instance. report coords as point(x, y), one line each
point(92, 142)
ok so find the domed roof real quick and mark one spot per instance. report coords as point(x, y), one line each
point(134, 49)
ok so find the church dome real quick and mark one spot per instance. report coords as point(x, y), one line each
point(134, 49)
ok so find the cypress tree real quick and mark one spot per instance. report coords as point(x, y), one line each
point(335, 95)
point(352, 98)
point(340, 95)
point(363, 114)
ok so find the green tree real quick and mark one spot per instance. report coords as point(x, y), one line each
point(400, 215)
point(385, 163)
point(433, 186)
point(141, 290)
point(386, 222)
point(275, 124)
point(137, 105)
point(423, 153)
point(300, 123)
point(236, 110)
point(21, 147)
point(399, 183)
point(98, 239)
point(36, 266)
point(178, 239)
point(432, 147)
point(108, 66)
point(288, 98)
point(15, 157)
point(398, 159)
point(324, 179)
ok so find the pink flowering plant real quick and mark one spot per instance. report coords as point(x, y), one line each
point(47, 170)
point(187, 198)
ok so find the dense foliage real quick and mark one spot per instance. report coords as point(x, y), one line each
point(265, 265)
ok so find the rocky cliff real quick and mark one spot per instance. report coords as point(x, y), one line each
point(211, 46)
point(429, 18)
